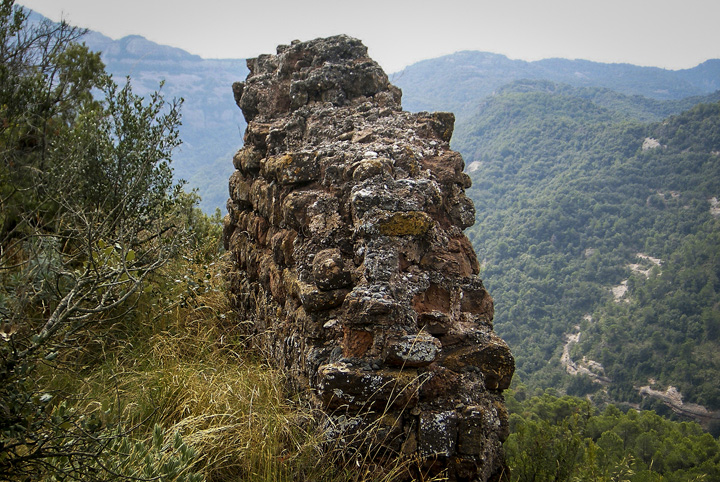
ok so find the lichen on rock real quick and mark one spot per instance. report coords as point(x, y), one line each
point(350, 266)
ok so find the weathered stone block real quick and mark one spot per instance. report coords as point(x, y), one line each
point(477, 301)
point(282, 247)
point(368, 168)
point(435, 322)
point(247, 159)
point(434, 298)
point(341, 384)
point(356, 343)
point(493, 359)
point(297, 168)
point(472, 432)
point(413, 350)
point(314, 299)
point(372, 305)
point(295, 207)
point(329, 270)
point(240, 190)
point(438, 433)
point(414, 223)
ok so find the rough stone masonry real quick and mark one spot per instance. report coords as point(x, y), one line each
point(350, 266)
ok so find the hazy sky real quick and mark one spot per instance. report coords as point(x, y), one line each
point(672, 34)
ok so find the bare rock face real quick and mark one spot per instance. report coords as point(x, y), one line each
point(351, 268)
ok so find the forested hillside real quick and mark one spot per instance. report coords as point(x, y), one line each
point(568, 439)
point(599, 234)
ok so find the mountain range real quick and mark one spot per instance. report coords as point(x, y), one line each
point(459, 81)
point(595, 187)
point(213, 125)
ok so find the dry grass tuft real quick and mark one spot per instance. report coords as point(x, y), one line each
point(184, 368)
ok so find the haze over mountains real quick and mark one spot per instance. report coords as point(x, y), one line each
point(213, 126)
point(459, 81)
point(569, 199)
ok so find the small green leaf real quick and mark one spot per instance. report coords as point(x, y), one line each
point(130, 256)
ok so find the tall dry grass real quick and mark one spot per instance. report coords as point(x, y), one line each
point(179, 363)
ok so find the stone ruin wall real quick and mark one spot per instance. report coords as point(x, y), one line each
point(350, 265)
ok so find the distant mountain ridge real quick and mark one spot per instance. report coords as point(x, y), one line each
point(620, 106)
point(458, 81)
point(136, 47)
point(213, 125)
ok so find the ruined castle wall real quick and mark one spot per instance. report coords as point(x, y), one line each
point(351, 270)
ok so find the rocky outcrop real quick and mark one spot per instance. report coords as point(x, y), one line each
point(345, 225)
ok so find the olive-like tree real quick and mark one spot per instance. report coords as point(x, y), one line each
point(88, 210)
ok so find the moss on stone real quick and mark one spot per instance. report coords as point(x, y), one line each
point(413, 223)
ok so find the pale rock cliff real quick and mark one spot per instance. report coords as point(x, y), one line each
point(351, 268)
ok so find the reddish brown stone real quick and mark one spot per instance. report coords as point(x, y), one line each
point(434, 322)
point(447, 168)
point(493, 359)
point(295, 208)
point(455, 263)
point(477, 302)
point(439, 383)
point(356, 342)
point(435, 298)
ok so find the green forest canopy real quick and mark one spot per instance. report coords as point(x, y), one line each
point(566, 199)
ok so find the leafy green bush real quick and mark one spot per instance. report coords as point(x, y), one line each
point(566, 438)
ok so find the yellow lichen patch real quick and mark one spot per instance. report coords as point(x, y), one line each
point(413, 223)
point(409, 162)
point(274, 165)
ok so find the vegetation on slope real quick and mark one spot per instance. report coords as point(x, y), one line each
point(567, 201)
point(567, 438)
point(100, 259)
point(119, 355)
